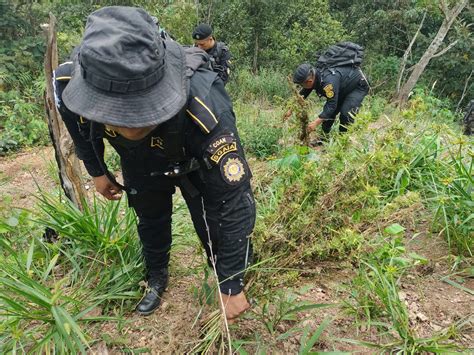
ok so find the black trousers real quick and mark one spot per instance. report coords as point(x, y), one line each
point(223, 217)
point(348, 106)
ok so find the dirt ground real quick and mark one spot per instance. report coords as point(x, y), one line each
point(432, 303)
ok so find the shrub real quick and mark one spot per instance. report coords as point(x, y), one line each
point(265, 86)
point(23, 122)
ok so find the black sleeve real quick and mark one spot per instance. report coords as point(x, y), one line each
point(305, 92)
point(225, 63)
point(331, 89)
point(79, 129)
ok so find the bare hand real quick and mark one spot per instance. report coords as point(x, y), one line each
point(312, 126)
point(106, 188)
point(234, 305)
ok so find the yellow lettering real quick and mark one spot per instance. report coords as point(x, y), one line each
point(217, 156)
point(218, 143)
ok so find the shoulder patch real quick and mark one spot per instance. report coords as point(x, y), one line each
point(220, 146)
point(234, 169)
point(329, 91)
point(202, 115)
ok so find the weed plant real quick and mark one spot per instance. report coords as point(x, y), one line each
point(325, 201)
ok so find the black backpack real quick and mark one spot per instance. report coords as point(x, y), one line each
point(341, 54)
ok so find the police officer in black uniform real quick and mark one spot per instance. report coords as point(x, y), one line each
point(218, 51)
point(344, 88)
point(172, 123)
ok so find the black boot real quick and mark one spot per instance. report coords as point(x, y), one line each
point(157, 283)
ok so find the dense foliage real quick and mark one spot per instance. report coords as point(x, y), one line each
point(400, 174)
point(263, 36)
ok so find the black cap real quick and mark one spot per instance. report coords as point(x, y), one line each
point(301, 73)
point(202, 31)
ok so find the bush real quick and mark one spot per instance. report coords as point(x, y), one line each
point(259, 130)
point(267, 85)
point(324, 201)
point(22, 121)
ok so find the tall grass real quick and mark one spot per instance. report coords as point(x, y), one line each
point(375, 301)
point(49, 289)
point(268, 85)
point(30, 309)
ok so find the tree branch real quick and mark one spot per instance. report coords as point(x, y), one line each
point(407, 53)
point(464, 91)
point(441, 52)
point(444, 8)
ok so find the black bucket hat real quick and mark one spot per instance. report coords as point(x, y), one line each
point(124, 73)
point(301, 73)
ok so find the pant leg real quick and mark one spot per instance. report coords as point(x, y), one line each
point(154, 210)
point(224, 222)
point(351, 106)
point(206, 229)
point(234, 253)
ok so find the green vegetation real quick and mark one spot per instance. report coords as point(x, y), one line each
point(399, 175)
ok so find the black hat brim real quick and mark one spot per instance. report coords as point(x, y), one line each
point(141, 109)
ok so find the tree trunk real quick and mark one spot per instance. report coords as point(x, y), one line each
point(431, 52)
point(255, 56)
point(68, 163)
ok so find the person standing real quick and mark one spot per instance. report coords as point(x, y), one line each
point(218, 51)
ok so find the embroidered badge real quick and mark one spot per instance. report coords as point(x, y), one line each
point(233, 169)
point(157, 142)
point(329, 91)
point(220, 147)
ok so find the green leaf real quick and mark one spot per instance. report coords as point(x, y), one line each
point(394, 229)
point(306, 346)
point(29, 259)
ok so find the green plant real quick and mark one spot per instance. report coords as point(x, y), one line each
point(23, 122)
point(387, 255)
point(260, 130)
point(281, 306)
point(267, 86)
point(403, 338)
point(454, 199)
point(28, 308)
point(308, 340)
point(375, 297)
